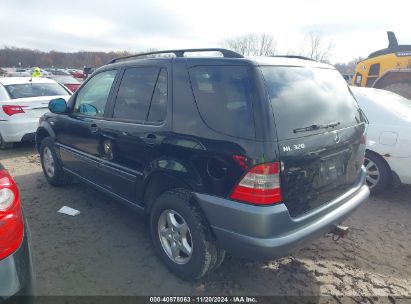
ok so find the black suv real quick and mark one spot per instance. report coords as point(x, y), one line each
point(253, 156)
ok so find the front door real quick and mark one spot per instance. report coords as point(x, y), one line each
point(78, 133)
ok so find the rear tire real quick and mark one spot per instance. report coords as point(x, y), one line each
point(52, 169)
point(219, 260)
point(378, 173)
point(5, 145)
point(202, 255)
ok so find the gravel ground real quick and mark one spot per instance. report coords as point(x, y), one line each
point(106, 250)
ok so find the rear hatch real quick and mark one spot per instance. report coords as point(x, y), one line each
point(320, 134)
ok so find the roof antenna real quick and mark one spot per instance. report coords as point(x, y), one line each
point(392, 40)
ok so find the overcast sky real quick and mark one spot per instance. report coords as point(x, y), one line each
point(357, 27)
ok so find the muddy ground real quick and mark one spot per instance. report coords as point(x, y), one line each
point(106, 250)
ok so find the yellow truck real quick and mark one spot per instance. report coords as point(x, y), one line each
point(388, 69)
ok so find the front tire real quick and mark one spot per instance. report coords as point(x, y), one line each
point(378, 173)
point(181, 236)
point(52, 169)
point(5, 145)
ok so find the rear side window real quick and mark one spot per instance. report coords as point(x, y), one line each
point(158, 106)
point(223, 97)
point(301, 97)
point(135, 93)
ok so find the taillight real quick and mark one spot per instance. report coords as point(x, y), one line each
point(363, 146)
point(11, 110)
point(11, 217)
point(260, 186)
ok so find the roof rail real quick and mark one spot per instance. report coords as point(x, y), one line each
point(180, 53)
point(295, 56)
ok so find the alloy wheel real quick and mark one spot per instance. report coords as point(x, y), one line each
point(48, 162)
point(175, 236)
point(373, 173)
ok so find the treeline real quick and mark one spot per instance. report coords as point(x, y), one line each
point(16, 57)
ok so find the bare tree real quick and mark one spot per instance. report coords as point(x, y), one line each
point(12, 56)
point(348, 67)
point(316, 47)
point(252, 44)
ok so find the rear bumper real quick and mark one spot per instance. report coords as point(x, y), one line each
point(18, 130)
point(16, 275)
point(257, 232)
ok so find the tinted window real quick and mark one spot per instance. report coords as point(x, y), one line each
point(135, 93)
point(158, 106)
point(92, 97)
point(301, 97)
point(223, 96)
point(26, 90)
point(374, 70)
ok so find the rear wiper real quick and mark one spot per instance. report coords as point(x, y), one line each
point(317, 127)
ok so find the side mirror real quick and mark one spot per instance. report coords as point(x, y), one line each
point(58, 106)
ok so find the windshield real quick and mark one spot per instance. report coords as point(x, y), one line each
point(26, 90)
point(302, 97)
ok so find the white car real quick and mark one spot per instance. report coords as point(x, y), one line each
point(22, 101)
point(388, 155)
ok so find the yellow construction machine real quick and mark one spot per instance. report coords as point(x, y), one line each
point(388, 69)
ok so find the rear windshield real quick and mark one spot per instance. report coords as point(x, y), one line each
point(26, 90)
point(301, 97)
point(223, 97)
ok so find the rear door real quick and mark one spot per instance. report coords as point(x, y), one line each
point(319, 129)
point(132, 138)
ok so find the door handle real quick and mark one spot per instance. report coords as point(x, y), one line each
point(93, 128)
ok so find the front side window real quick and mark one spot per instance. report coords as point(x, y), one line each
point(135, 93)
point(223, 97)
point(92, 98)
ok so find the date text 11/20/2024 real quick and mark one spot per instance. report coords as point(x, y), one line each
point(205, 299)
